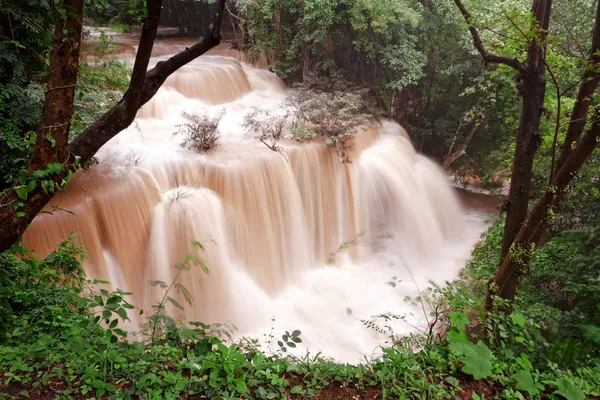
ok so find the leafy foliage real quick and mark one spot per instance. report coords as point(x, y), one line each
point(560, 292)
point(60, 335)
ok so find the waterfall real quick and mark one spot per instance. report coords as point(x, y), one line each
point(298, 235)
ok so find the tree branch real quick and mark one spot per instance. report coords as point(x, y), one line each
point(485, 54)
point(120, 116)
point(584, 96)
point(531, 230)
point(15, 212)
point(557, 123)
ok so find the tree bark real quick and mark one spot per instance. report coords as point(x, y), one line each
point(575, 152)
point(58, 108)
point(516, 262)
point(528, 135)
point(53, 133)
point(532, 81)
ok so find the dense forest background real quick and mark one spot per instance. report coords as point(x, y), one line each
point(461, 104)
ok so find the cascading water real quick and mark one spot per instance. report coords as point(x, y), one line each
point(271, 222)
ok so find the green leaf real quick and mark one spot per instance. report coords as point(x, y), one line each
point(296, 390)
point(517, 319)
point(459, 320)
point(40, 173)
point(122, 313)
point(55, 168)
point(174, 302)
point(592, 333)
point(568, 389)
point(455, 335)
point(21, 192)
point(51, 140)
point(98, 300)
point(31, 185)
point(106, 314)
point(476, 358)
point(113, 323)
point(453, 381)
point(120, 332)
point(525, 382)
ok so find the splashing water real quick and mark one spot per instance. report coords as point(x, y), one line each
point(271, 223)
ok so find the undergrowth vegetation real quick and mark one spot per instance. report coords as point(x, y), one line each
point(63, 337)
point(561, 291)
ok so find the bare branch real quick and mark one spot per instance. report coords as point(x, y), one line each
point(485, 54)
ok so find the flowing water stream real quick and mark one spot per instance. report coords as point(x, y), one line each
point(298, 236)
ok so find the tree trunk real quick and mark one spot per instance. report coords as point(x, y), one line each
point(53, 134)
point(533, 81)
point(516, 262)
point(278, 53)
point(15, 212)
point(575, 152)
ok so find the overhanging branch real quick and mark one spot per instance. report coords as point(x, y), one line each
point(485, 54)
point(123, 113)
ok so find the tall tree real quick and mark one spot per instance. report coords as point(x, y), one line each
point(54, 158)
point(523, 229)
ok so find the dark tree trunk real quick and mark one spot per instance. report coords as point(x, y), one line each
point(532, 84)
point(533, 81)
point(505, 282)
point(53, 134)
point(58, 108)
point(575, 152)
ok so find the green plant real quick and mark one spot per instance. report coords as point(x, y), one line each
point(109, 307)
point(160, 322)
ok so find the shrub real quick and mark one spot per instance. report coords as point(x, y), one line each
point(269, 126)
point(312, 110)
point(201, 130)
point(334, 116)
